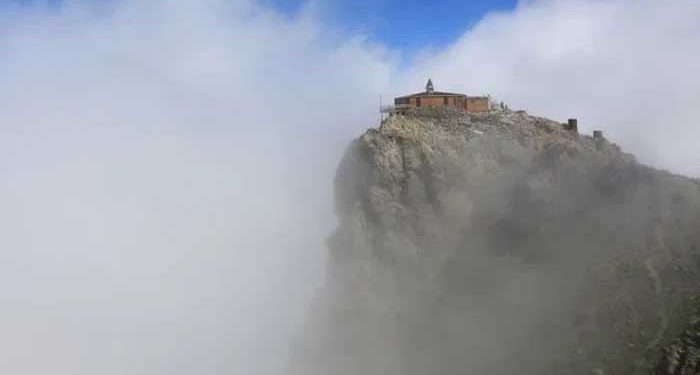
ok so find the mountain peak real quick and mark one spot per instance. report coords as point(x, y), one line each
point(502, 243)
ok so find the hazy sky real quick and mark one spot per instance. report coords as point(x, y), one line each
point(166, 165)
point(405, 25)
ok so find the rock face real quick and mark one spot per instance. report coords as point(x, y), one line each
point(682, 357)
point(500, 243)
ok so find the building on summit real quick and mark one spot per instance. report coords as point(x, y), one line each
point(432, 98)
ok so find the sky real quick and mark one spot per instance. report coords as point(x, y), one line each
point(405, 25)
point(166, 166)
point(408, 26)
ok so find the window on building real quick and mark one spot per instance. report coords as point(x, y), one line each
point(417, 102)
point(445, 100)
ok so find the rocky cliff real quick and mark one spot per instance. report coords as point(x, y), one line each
point(501, 243)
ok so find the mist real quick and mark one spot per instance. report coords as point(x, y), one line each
point(166, 182)
point(167, 166)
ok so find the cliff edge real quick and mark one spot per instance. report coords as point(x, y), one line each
point(501, 243)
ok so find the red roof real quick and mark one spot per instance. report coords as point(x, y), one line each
point(430, 93)
point(436, 93)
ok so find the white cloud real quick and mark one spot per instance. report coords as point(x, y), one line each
point(166, 181)
point(628, 67)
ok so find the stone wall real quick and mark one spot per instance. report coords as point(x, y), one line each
point(470, 104)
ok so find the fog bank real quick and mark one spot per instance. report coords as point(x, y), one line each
point(165, 184)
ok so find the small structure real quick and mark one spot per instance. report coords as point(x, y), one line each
point(599, 139)
point(571, 125)
point(432, 98)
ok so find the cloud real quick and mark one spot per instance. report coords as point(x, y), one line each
point(166, 181)
point(627, 67)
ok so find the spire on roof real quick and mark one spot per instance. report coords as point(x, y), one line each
point(429, 86)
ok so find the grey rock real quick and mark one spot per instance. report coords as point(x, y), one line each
point(500, 243)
